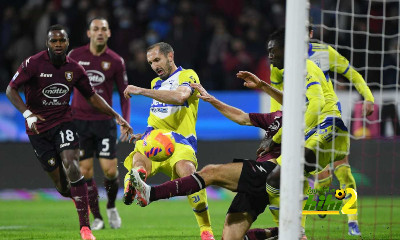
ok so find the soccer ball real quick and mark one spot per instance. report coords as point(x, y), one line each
point(340, 194)
point(158, 145)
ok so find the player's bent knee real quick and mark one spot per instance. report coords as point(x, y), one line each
point(209, 173)
point(110, 173)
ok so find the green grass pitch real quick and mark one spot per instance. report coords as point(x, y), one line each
point(173, 219)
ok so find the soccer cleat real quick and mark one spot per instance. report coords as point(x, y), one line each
point(207, 235)
point(142, 189)
point(86, 234)
point(113, 218)
point(322, 215)
point(129, 191)
point(97, 224)
point(353, 229)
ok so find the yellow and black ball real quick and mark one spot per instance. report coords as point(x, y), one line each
point(340, 194)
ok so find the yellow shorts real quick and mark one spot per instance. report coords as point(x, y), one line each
point(330, 142)
point(182, 152)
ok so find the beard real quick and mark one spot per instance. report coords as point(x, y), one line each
point(167, 73)
point(56, 59)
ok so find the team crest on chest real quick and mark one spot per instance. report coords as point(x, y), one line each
point(69, 76)
point(105, 65)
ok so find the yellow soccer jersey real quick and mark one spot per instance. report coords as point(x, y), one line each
point(178, 118)
point(328, 59)
point(277, 82)
point(321, 100)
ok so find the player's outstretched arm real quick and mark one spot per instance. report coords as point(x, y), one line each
point(16, 100)
point(232, 113)
point(341, 65)
point(252, 81)
point(102, 106)
point(177, 96)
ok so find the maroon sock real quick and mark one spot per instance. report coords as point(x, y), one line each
point(93, 195)
point(112, 190)
point(178, 187)
point(256, 234)
point(260, 234)
point(79, 194)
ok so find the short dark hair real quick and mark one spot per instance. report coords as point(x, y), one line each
point(279, 37)
point(95, 18)
point(56, 27)
point(164, 47)
point(310, 23)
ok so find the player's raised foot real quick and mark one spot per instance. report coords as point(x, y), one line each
point(207, 235)
point(353, 229)
point(113, 218)
point(322, 215)
point(129, 191)
point(86, 234)
point(97, 224)
point(142, 189)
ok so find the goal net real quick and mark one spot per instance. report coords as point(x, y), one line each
point(367, 34)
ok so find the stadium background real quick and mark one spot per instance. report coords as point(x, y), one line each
point(216, 39)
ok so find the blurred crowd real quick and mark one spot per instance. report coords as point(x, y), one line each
point(216, 38)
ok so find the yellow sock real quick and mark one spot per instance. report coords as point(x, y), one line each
point(199, 204)
point(305, 190)
point(273, 194)
point(274, 199)
point(346, 180)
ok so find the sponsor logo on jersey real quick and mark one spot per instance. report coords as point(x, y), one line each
point(69, 76)
point(105, 65)
point(84, 63)
point(318, 63)
point(55, 90)
point(46, 75)
point(95, 77)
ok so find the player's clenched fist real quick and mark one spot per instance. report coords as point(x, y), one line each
point(131, 89)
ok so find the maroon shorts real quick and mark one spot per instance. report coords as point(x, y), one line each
point(252, 196)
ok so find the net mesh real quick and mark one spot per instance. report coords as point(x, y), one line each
point(367, 33)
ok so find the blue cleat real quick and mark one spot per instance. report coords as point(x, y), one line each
point(353, 229)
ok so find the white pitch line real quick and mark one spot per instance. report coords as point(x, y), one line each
point(11, 227)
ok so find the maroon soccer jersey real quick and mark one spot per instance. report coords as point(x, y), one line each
point(103, 72)
point(48, 88)
point(271, 123)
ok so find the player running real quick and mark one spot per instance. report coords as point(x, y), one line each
point(247, 177)
point(48, 78)
point(174, 108)
point(97, 131)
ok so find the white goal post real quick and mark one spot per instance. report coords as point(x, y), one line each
point(291, 188)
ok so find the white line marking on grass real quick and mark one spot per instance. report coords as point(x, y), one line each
point(11, 227)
